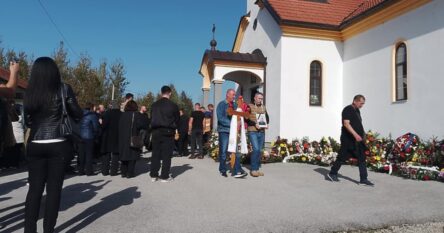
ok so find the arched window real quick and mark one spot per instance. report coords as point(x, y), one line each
point(315, 83)
point(401, 72)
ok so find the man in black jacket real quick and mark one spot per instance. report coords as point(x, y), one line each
point(164, 122)
point(110, 140)
point(183, 134)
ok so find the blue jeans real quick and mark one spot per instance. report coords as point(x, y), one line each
point(237, 165)
point(257, 140)
point(223, 147)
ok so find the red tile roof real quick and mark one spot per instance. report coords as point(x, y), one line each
point(331, 13)
point(4, 75)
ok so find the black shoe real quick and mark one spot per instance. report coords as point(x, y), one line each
point(81, 173)
point(332, 177)
point(105, 174)
point(123, 175)
point(224, 174)
point(366, 183)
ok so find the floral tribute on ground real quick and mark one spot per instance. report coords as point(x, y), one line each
point(406, 156)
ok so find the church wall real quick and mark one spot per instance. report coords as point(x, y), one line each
point(368, 70)
point(298, 118)
point(267, 38)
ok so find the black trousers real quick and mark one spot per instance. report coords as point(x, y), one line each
point(106, 159)
point(163, 146)
point(183, 144)
point(128, 168)
point(351, 149)
point(45, 167)
point(86, 156)
point(196, 140)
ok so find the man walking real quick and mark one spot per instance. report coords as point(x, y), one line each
point(164, 122)
point(195, 130)
point(352, 141)
point(223, 128)
point(257, 124)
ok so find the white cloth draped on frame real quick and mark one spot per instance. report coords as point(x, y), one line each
point(232, 143)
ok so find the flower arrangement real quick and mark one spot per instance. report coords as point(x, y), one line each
point(405, 147)
point(376, 152)
point(407, 156)
point(319, 153)
point(279, 150)
point(213, 149)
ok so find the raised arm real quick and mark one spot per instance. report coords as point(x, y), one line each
point(8, 89)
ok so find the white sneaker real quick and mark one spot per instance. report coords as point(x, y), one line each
point(167, 180)
point(153, 179)
point(240, 175)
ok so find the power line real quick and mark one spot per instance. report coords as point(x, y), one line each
point(57, 28)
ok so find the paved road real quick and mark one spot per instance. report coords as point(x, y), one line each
point(289, 198)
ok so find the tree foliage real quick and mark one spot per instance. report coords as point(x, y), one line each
point(92, 84)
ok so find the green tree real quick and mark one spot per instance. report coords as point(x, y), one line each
point(60, 57)
point(117, 78)
point(186, 102)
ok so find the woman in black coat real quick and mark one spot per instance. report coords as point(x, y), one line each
point(110, 140)
point(127, 128)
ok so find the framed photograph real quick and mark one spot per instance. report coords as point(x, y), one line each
point(262, 120)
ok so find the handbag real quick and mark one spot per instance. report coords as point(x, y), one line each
point(68, 127)
point(136, 140)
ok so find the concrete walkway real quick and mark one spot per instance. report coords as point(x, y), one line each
point(289, 198)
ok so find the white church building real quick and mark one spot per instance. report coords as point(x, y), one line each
point(311, 57)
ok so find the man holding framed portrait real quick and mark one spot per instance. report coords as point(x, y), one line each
point(257, 124)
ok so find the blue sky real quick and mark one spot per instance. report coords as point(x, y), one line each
point(160, 42)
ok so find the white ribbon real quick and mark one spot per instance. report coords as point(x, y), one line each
point(232, 143)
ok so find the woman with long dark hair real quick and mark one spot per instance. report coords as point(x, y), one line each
point(47, 148)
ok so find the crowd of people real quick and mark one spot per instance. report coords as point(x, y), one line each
point(54, 128)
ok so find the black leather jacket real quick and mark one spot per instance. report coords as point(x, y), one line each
point(46, 122)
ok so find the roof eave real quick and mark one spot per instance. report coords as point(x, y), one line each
point(361, 16)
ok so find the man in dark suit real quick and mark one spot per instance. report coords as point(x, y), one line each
point(110, 140)
point(164, 121)
point(183, 134)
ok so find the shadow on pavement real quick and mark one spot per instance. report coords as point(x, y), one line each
point(71, 195)
point(324, 172)
point(8, 187)
point(15, 217)
point(12, 171)
point(142, 166)
point(80, 193)
point(179, 170)
point(108, 204)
